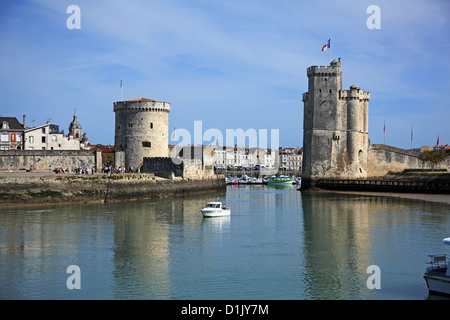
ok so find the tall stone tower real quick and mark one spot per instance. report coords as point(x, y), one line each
point(335, 127)
point(142, 130)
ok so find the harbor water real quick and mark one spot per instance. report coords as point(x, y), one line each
point(278, 244)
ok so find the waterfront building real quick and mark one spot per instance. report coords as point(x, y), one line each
point(230, 158)
point(290, 161)
point(17, 136)
point(11, 133)
point(49, 137)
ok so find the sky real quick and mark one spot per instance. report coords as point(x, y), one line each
point(229, 64)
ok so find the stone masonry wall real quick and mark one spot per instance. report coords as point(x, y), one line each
point(383, 159)
point(82, 188)
point(48, 160)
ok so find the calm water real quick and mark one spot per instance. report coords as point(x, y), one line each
point(278, 244)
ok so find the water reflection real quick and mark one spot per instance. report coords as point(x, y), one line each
point(346, 234)
point(277, 244)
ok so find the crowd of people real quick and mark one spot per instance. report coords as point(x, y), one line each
point(75, 170)
point(106, 168)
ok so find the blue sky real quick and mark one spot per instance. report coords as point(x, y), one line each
point(231, 64)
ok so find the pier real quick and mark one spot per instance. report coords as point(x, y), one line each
point(423, 184)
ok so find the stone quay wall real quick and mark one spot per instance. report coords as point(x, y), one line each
point(61, 188)
point(383, 159)
point(48, 160)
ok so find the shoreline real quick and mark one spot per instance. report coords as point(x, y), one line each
point(43, 189)
point(429, 197)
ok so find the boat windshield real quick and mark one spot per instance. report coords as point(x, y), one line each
point(213, 205)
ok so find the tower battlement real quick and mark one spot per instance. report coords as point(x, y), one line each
point(142, 104)
point(332, 70)
point(355, 93)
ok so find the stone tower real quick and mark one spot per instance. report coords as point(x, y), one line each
point(75, 128)
point(142, 130)
point(335, 127)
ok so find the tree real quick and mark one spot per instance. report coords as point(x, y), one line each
point(435, 156)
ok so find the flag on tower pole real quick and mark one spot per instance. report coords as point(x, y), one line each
point(327, 46)
point(437, 142)
point(384, 131)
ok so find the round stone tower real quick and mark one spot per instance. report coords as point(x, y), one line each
point(142, 130)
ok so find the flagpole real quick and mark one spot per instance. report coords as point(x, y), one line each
point(411, 138)
point(384, 131)
point(121, 88)
point(330, 49)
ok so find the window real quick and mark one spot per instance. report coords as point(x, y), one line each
point(151, 125)
point(43, 130)
point(146, 144)
point(5, 137)
point(19, 137)
point(31, 139)
point(54, 138)
point(330, 90)
point(43, 139)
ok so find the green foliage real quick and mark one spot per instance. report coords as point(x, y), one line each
point(434, 156)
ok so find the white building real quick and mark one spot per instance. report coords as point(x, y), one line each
point(291, 160)
point(48, 137)
point(247, 158)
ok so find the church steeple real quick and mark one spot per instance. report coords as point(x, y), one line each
point(75, 127)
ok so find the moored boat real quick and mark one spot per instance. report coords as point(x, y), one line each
point(281, 180)
point(437, 275)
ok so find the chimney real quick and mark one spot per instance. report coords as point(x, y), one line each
point(24, 122)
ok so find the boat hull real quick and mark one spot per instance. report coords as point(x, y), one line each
point(215, 213)
point(438, 284)
point(281, 183)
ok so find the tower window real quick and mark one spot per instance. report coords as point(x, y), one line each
point(331, 90)
point(146, 144)
point(151, 125)
point(320, 90)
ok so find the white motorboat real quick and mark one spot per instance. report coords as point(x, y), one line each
point(215, 209)
point(437, 275)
